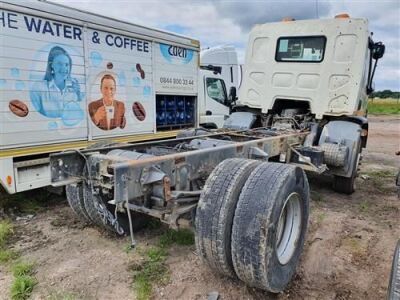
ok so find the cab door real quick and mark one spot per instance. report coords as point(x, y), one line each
point(216, 101)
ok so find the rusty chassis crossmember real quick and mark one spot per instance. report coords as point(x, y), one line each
point(164, 179)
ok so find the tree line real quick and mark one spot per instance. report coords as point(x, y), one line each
point(385, 94)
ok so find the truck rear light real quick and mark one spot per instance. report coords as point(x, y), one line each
point(288, 19)
point(342, 16)
point(9, 180)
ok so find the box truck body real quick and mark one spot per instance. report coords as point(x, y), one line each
point(69, 78)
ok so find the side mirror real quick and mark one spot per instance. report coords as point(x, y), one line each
point(378, 50)
point(232, 95)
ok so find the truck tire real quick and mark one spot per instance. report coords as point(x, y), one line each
point(97, 209)
point(74, 194)
point(394, 283)
point(346, 185)
point(215, 210)
point(269, 226)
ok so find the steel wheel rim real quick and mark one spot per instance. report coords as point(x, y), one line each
point(289, 228)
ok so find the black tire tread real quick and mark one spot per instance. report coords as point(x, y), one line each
point(89, 198)
point(74, 195)
point(344, 185)
point(139, 220)
point(252, 247)
point(394, 283)
point(215, 211)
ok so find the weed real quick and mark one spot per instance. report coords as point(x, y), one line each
point(317, 197)
point(364, 206)
point(320, 218)
point(22, 287)
point(28, 202)
point(127, 248)
point(22, 268)
point(7, 255)
point(156, 254)
point(6, 230)
point(356, 248)
point(382, 180)
point(143, 287)
point(152, 270)
point(181, 237)
point(381, 173)
point(153, 224)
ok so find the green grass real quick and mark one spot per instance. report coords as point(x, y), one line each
point(364, 206)
point(183, 237)
point(6, 230)
point(320, 217)
point(382, 180)
point(60, 295)
point(22, 268)
point(7, 255)
point(29, 202)
point(384, 106)
point(22, 287)
point(317, 197)
point(154, 268)
point(24, 281)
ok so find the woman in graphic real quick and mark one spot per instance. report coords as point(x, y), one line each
point(107, 113)
point(53, 96)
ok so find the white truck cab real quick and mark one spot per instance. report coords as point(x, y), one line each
point(218, 81)
point(312, 75)
point(322, 64)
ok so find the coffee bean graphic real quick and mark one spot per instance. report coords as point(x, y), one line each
point(139, 111)
point(110, 65)
point(140, 70)
point(18, 108)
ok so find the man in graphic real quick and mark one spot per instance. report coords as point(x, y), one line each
point(107, 113)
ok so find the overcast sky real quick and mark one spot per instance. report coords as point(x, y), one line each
point(229, 21)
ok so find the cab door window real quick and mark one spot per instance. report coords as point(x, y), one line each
point(216, 90)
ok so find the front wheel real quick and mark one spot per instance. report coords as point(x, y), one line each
point(346, 185)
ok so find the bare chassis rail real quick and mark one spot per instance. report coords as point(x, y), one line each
point(167, 181)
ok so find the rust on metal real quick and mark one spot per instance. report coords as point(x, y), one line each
point(167, 188)
point(180, 160)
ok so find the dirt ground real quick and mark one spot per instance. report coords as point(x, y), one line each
point(347, 255)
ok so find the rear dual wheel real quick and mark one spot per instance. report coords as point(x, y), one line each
point(270, 225)
point(251, 221)
point(105, 215)
point(394, 283)
point(215, 211)
point(74, 193)
point(93, 208)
